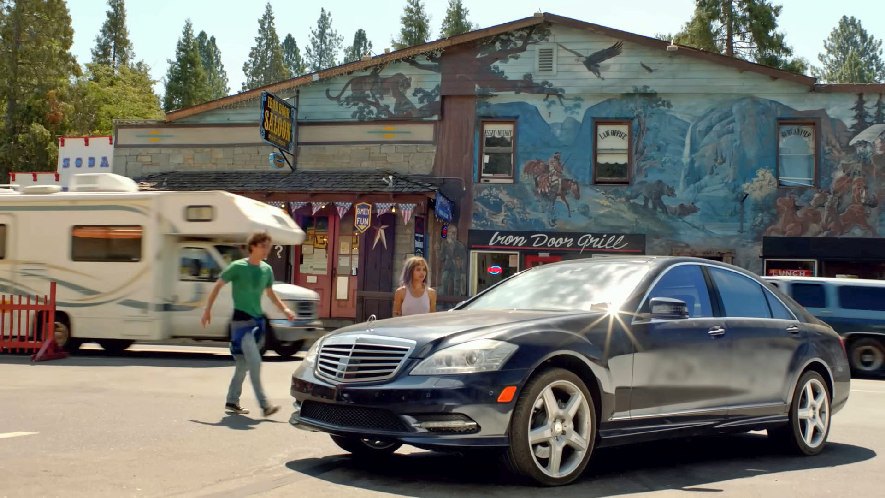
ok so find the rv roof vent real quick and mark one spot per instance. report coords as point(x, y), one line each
point(102, 182)
point(41, 189)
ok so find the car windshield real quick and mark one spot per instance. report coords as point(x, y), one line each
point(229, 253)
point(582, 286)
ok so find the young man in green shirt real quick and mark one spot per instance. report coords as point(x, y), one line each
point(249, 277)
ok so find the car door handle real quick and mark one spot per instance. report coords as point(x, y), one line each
point(716, 331)
point(793, 329)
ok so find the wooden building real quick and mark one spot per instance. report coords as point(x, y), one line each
point(553, 138)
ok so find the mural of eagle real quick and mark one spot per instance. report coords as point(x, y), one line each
point(593, 60)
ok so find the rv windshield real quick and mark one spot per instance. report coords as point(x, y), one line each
point(229, 253)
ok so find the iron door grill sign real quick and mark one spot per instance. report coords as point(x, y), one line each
point(277, 122)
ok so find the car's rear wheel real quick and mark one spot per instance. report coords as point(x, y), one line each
point(365, 447)
point(867, 356)
point(809, 417)
point(553, 429)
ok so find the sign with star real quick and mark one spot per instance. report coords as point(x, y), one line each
point(362, 216)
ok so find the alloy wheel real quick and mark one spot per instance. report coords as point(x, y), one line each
point(813, 413)
point(559, 429)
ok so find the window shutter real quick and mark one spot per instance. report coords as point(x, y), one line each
point(546, 60)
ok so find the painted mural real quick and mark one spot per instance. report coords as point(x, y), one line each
point(704, 172)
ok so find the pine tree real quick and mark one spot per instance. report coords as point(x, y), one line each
point(210, 55)
point(36, 67)
point(360, 47)
point(879, 116)
point(746, 29)
point(186, 81)
point(325, 42)
point(851, 55)
point(292, 57)
point(861, 115)
point(103, 94)
point(265, 63)
point(415, 29)
point(112, 45)
point(455, 22)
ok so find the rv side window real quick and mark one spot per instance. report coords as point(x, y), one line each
point(809, 295)
point(855, 297)
point(197, 264)
point(106, 243)
point(2, 241)
point(199, 213)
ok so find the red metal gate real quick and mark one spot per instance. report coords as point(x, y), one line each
point(26, 322)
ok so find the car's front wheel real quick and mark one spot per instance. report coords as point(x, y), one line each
point(809, 417)
point(553, 429)
point(365, 447)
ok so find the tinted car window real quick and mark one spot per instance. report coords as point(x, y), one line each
point(587, 285)
point(741, 295)
point(686, 283)
point(862, 298)
point(778, 310)
point(809, 295)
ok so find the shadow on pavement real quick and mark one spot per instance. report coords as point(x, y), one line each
point(684, 465)
point(239, 422)
point(144, 358)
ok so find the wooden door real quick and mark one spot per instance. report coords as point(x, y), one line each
point(376, 267)
point(315, 257)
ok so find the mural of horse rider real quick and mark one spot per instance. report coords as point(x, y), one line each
point(550, 183)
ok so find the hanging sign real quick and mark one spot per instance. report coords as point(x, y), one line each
point(444, 208)
point(277, 122)
point(362, 216)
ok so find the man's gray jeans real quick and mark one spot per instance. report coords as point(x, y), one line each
point(249, 361)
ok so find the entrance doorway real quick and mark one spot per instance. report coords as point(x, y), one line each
point(328, 262)
point(532, 260)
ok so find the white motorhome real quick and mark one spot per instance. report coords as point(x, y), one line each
point(134, 265)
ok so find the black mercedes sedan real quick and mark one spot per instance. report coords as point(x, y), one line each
point(564, 358)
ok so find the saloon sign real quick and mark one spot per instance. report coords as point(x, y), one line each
point(277, 122)
point(558, 241)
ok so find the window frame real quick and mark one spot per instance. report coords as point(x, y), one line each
point(4, 236)
point(484, 178)
point(597, 180)
point(96, 259)
point(815, 174)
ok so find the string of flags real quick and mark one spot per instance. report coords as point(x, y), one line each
point(406, 209)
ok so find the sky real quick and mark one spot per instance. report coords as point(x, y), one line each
point(155, 25)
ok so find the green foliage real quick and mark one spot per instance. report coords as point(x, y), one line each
point(36, 67)
point(186, 81)
point(851, 55)
point(265, 63)
point(746, 29)
point(361, 46)
point(292, 57)
point(325, 42)
point(862, 118)
point(112, 45)
point(102, 95)
point(415, 29)
point(455, 22)
point(216, 77)
point(879, 116)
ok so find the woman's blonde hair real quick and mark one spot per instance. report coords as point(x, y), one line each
point(409, 267)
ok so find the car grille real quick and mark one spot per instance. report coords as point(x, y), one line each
point(353, 417)
point(362, 358)
point(304, 310)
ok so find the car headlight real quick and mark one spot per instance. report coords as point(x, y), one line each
point(482, 355)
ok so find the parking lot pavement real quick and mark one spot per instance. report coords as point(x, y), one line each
point(149, 422)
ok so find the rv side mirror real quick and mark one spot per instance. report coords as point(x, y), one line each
point(667, 307)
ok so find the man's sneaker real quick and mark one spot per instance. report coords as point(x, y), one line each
point(270, 410)
point(235, 408)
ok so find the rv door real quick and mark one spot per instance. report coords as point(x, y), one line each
point(199, 267)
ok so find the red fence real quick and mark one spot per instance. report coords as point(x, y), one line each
point(26, 322)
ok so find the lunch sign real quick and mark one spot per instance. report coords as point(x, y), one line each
point(277, 122)
point(582, 242)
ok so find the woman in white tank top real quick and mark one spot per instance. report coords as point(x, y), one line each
point(414, 296)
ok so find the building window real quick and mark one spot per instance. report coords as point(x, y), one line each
point(796, 153)
point(496, 164)
point(488, 268)
point(613, 153)
point(106, 243)
point(2, 241)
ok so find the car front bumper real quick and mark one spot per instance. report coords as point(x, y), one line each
point(424, 411)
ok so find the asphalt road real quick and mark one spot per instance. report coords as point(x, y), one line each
point(151, 423)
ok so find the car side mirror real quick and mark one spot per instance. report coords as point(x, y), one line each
point(667, 307)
